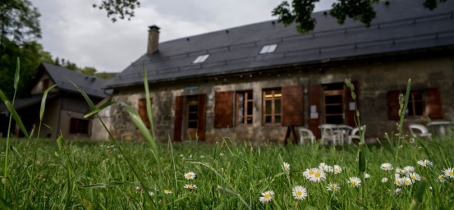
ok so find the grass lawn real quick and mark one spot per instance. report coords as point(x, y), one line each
point(94, 175)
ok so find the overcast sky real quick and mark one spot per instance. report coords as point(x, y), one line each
point(74, 30)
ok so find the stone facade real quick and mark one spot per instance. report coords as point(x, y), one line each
point(375, 78)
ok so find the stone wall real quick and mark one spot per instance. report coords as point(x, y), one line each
point(375, 79)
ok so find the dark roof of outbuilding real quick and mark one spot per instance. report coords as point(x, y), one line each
point(91, 85)
point(401, 25)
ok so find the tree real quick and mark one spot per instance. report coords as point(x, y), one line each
point(300, 12)
point(18, 22)
point(119, 8)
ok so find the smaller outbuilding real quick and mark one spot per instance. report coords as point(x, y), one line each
point(65, 106)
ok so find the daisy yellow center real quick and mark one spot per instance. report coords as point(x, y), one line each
point(386, 167)
point(336, 169)
point(441, 178)
point(397, 182)
point(267, 196)
point(167, 191)
point(413, 176)
point(423, 163)
point(299, 193)
point(451, 173)
point(407, 181)
point(354, 182)
point(285, 166)
point(317, 174)
point(311, 172)
point(189, 175)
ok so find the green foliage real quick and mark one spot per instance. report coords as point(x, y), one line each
point(118, 9)
point(300, 12)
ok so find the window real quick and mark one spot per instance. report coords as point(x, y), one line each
point(81, 126)
point(201, 58)
point(415, 107)
point(272, 110)
point(244, 108)
point(45, 84)
point(268, 49)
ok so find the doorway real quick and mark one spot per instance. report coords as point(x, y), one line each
point(191, 117)
point(333, 102)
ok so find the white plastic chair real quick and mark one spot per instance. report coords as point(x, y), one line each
point(345, 132)
point(422, 131)
point(353, 134)
point(329, 134)
point(306, 134)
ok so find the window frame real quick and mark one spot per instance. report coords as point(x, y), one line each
point(245, 104)
point(273, 108)
point(201, 58)
point(78, 129)
point(412, 102)
point(271, 48)
point(45, 84)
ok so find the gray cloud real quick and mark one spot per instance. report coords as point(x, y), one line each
point(74, 30)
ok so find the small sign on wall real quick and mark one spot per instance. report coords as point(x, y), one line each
point(314, 115)
point(351, 106)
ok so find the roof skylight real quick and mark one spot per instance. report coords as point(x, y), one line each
point(201, 58)
point(268, 49)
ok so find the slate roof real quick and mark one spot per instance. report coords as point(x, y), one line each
point(26, 102)
point(91, 85)
point(402, 25)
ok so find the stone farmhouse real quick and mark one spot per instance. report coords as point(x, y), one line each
point(251, 82)
point(65, 106)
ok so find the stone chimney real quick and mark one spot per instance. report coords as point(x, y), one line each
point(153, 39)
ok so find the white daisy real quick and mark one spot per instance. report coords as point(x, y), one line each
point(168, 191)
point(138, 188)
point(267, 196)
point(323, 166)
point(366, 176)
point(396, 175)
point(449, 172)
point(332, 187)
point(414, 176)
point(318, 176)
point(355, 181)
point(329, 169)
point(337, 169)
point(442, 178)
point(299, 192)
point(286, 166)
point(190, 175)
point(409, 169)
point(398, 190)
point(150, 193)
point(309, 172)
point(407, 181)
point(425, 163)
point(384, 180)
point(400, 171)
point(399, 181)
point(190, 186)
point(386, 167)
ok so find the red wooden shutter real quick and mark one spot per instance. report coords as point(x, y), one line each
point(292, 105)
point(223, 109)
point(434, 103)
point(393, 105)
point(178, 123)
point(350, 111)
point(143, 112)
point(202, 116)
point(73, 126)
point(314, 92)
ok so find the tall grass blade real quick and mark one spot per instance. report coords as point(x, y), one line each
point(419, 195)
point(140, 125)
point(89, 101)
point(17, 75)
point(99, 109)
point(14, 114)
point(43, 102)
point(147, 99)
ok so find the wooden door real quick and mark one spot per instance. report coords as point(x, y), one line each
point(191, 117)
point(333, 107)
